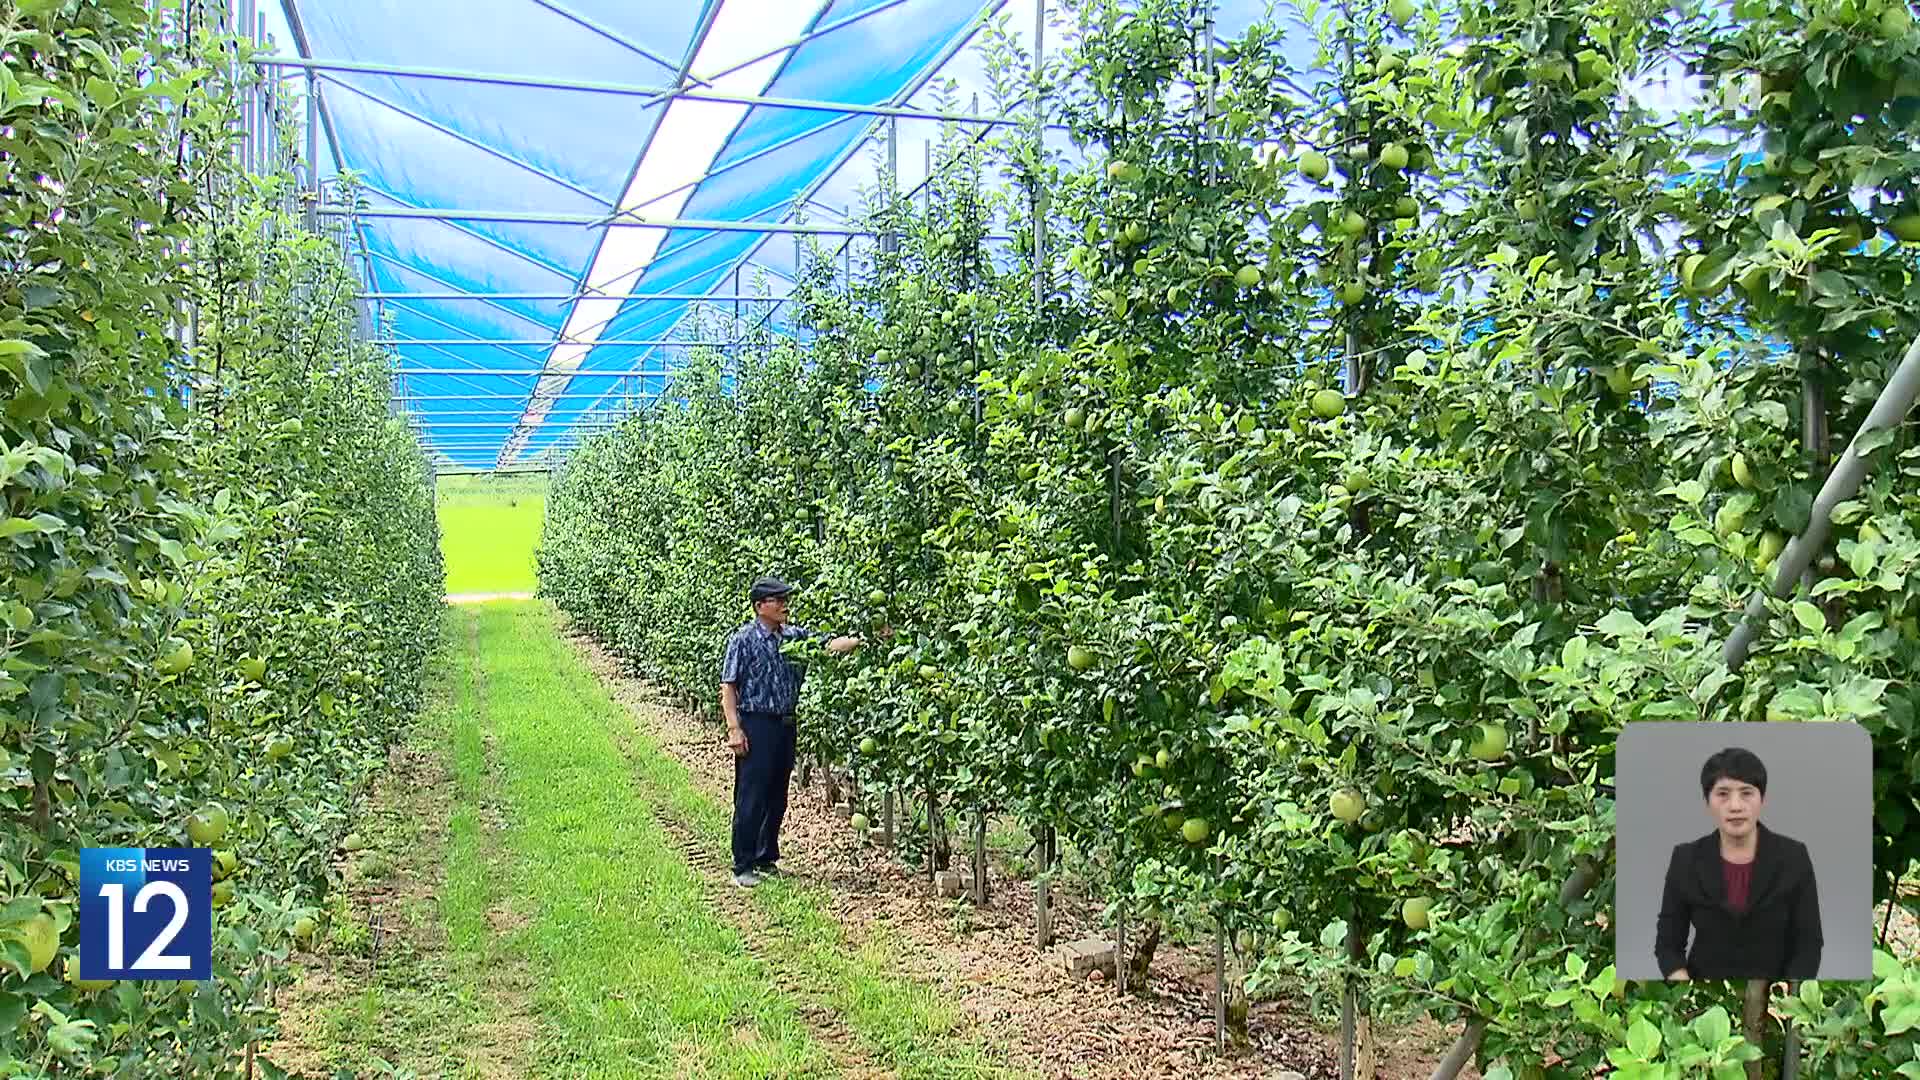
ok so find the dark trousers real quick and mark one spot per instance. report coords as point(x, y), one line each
point(760, 789)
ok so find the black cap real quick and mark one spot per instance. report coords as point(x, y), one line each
point(769, 587)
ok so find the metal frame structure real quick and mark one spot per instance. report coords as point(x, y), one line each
point(346, 224)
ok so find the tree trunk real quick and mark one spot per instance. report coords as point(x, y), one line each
point(1238, 1007)
point(1142, 955)
point(1754, 1024)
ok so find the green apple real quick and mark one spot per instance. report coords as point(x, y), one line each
point(1163, 758)
point(206, 826)
point(254, 668)
point(1247, 277)
point(1729, 520)
point(1491, 745)
point(1282, 919)
point(42, 940)
point(860, 823)
point(1393, 156)
point(1313, 165)
point(1406, 206)
point(1352, 292)
point(1079, 659)
point(1075, 418)
point(1401, 12)
point(304, 927)
point(177, 658)
point(88, 985)
point(1896, 22)
point(1347, 804)
point(1414, 912)
point(1906, 228)
point(1742, 474)
point(877, 597)
point(1328, 404)
point(1194, 830)
point(1689, 272)
point(869, 746)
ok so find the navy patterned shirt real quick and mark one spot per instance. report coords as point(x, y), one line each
point(764, 680)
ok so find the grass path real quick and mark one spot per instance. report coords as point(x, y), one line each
point(489, 527)
point(556, 908)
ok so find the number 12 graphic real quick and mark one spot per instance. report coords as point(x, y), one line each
point(153, 904)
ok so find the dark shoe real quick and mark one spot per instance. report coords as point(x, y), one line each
point(767, 870)
point(746, 879)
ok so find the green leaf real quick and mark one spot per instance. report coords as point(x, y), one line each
point(73, 1037)
point(1809, 617)
point(1713, 1026)
point(1620, 624)
point(1691, 492)
point(1573, 655)
point(1793, 509)
point(1643, 1039)
point(1901, 1018)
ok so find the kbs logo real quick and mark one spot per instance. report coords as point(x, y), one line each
point(146, 913)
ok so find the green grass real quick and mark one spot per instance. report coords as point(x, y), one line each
point(903, 1024)
point(638, 975)
point(614, 959)
point(419, 1010)
point(489, 527)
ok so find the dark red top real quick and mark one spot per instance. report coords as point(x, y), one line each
point(1739, 876)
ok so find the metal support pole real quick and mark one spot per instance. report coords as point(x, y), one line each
point(250, 94)
point(1219, 986)
point(1039, 209)
point(1889, 411)
point(1206, 42)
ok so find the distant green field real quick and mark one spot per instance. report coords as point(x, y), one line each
point(488, 529)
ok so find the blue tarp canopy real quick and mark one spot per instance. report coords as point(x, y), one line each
point(492, 143)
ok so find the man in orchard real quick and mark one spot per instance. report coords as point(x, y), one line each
point(758, 689)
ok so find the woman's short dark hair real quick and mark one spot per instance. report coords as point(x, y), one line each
point(1733, 763)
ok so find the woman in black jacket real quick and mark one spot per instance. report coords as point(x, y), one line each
point(1746, 891)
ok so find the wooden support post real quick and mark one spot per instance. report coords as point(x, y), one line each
point(933, 832)
point(1043, 896)
point(1219, 986)
point(1790, 1054)
point(979, 858)
point(1754, 1022)
point(1120, 960)
point(1351, 1004)
point(886, 817)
